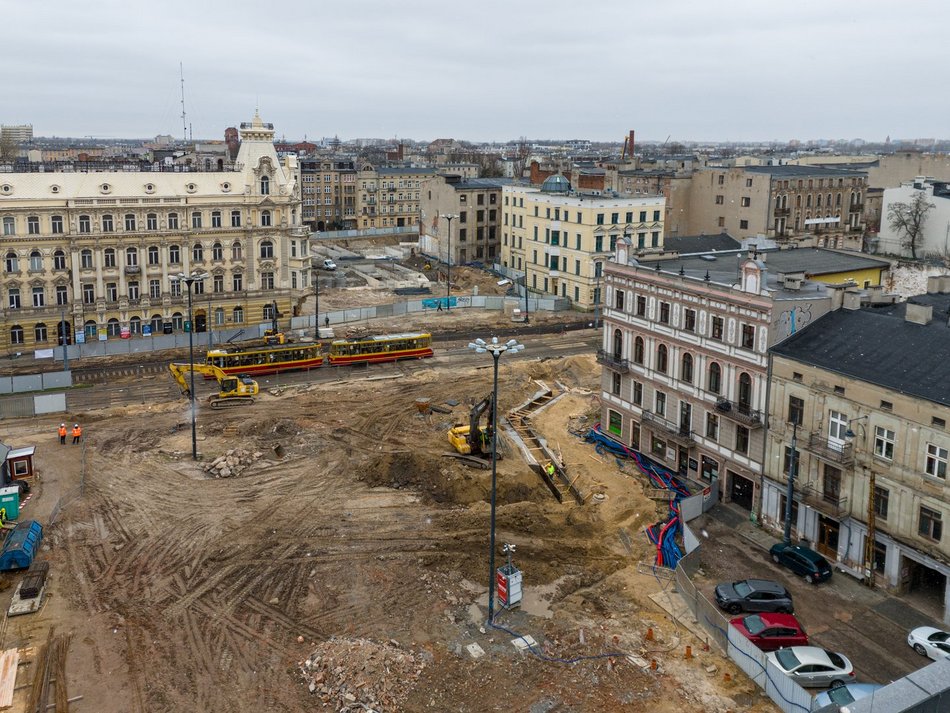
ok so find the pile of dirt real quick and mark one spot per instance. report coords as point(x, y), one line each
point(359, 674)
point(439, 481)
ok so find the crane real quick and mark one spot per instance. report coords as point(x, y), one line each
point(235, 390)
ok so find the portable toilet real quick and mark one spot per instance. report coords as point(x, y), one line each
point(10, 502)
point(21, 546)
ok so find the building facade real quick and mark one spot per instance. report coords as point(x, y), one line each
point(328, 189)
point(861, 393)
point(934, 239)
point(95, 255)
point(559, 240)
point(475, 204)
point(390, 196)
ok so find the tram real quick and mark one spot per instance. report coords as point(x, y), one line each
point(388, 347)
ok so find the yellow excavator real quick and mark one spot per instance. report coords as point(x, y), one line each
point(472, 439)
point(235, 390)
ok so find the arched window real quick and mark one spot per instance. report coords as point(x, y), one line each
point(714, 384)
point(112, 328)
point(36, 261)
point(91, 330)
point(235, 219)
point(267, 249)
point(798, 201)
point(59, 260)
point(16, 334)
point(156, 323)
point(174, 254)
point(85, 224)
point(151, 221)
point(178, 322)
point(662, 358)
point(638, 350)
point(217, 252)
point(40, 333)
point(686, 368)
point(108, 257)
point(85, 259)
point(131, 257)
point(173, 221)
point(218, 316)
point(153, 255)
point(237, 252)
point(9, 225)
point(196, 219)
point(818, 201)
point(135, 325)
point(197, 253)
point(745, 391)
point(216, 219)
point(265, 218)
point(808, 201)
point(265, 185)
point(130, 221)
point(238, 315)
point(618, 345)
point(12, 263)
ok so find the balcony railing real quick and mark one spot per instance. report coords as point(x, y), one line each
point(613, 361)
point(841, 453)
point(132, 269)
point(673, 431)
point(828, 503)
point(855, 207)
point(740, 413)
point(782, 212)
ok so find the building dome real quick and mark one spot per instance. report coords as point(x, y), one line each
point(556, 184)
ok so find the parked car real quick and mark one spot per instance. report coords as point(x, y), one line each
point(802, 561)
point(843, 695)
point(812, 666)
point(754, 595)
point(771, 631)
point(328, 264)
point(930, 642)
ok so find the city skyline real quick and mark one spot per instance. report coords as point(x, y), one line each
point(739, 71)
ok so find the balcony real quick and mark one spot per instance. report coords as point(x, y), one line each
point(673, 431)
point(827, 503)
point(856, 207)
point(613, 361)
point(132, 270)
point(782, 212)
point(842, 454)
point(739, 413)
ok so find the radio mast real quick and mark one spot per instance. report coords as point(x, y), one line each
point(184, 121)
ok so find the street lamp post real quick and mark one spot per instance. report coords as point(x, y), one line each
point(190, 280)
point(480, 346)
point(448, 262)
point(526, 292)
point(316, 293)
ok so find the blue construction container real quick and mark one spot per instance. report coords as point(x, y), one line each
point(21, 546)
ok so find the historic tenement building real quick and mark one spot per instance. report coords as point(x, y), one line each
point(94, 255)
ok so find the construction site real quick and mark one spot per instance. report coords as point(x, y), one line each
point(329, 548)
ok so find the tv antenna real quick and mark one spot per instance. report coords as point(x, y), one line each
point(184, 121)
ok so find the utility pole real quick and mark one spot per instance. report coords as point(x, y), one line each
point(448, 264)
point(62, 333)
point(790, 492)
point(872, 526)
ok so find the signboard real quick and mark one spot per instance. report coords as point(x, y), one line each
point(80, 337)
point(103, 334)
point(146, 330)
point(187, 325)
point(125, 333)
point(693, 464)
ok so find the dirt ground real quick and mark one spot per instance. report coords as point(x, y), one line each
point(353, 559)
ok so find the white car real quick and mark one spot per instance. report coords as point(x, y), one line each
point(328, 264)
point(930, 642)
point(812, 666)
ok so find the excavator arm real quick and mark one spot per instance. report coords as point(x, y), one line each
point(234, 390)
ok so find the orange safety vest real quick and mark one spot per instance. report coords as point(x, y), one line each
point(62, 431)
point(77, 432)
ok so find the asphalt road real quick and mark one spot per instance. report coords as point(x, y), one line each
point(867, 626)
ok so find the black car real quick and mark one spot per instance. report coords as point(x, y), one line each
point(754, 595)
point(802, 561)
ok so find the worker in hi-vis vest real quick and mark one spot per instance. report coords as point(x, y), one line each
point(77, 433)
point(62, 434)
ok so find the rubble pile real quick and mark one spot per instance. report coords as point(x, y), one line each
point(232, 463)
point(358, 674)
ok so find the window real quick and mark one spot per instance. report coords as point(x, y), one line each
point(152, 253)
point(937, 422)
point(637, 393)
point(238, 315)
point(174, 254)
point(743, 224)
point(600, 219)
point(36, 261)
point(712, 426)
point(197, 253)
point(618, 299)
point(108, 257)
point(660, 407)
point(134, 290)
point(217, 252)
point(265, 218)
point(216, 219)
point(686, 368)
point(237, 252)
point(59, 260)
point(173, 221)
point(62, 295)
point(33, 225)
point(748, 183)
point(615, 385)
point(265, 185)
point(13, 298)
point(196, 219)
point(689, 320)
point(112, 292)
point(85, 258)
point(267, 280)
point(714, 383)
point(748, 336)
point(235, 219)
point(218, 316)
point(787, 463)
point(638, 350)
point(717, 328)
point(881, 496)
point(936, 461)
point(237, 282)
point(664, 312)
point(641, 306)
point(614, 422)
point(722, 179)
point(884, 443)
point(742, 439)
point(746, 202)
point(217, 283)
point(721, 222)
point(745, 391)
point(9, 225)
point(267, 249)
point(720, 200)
point(129, 221)
point(837, 426)
point(662, 358)
point(931, 525)
point(88, 293)
point(656, 216)
point(131, 257)
point(16, 334)
point(887, 406)
point(796, 410)
point(85, 224)
point(151, 221)
point(155, 289)
point(56, 224)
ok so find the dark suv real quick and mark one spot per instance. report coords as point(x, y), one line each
point(754, 595)
point(802, 561)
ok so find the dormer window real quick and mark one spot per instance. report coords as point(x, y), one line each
point(265, 186)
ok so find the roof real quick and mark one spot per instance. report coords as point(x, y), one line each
point(765, 585)
point(21, 452)
point(480, 184)
point(686, 244)
point(389, 170)
point(874, 344)
point(788, 171)
point(811, 655)
point(819, 261)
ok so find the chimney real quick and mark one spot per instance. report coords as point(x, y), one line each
point(630, 143)
point(944, 283)
point(934, 284)
point(919, 314)
point(851, 300)
point(793, 280)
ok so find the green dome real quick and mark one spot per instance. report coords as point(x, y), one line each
point(556, 184)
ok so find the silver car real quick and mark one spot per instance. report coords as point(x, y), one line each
point(813, 667)
point(930, 642)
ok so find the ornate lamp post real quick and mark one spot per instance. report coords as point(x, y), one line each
point(190, 280)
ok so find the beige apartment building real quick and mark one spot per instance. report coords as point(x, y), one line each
point(475, 207)
point(559, 240)
point(95, 255)
point(783, 202)
point(863, 392)
point(389, 196)
point(328, 189)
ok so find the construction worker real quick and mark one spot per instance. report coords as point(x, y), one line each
point(62, 434)
point(549, 469)
point(77, 433)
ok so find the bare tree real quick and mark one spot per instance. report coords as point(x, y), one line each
point(9, 149)
point(907, 220)
point(522, 151)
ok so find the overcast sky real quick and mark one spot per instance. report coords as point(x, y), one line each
point(481, 70)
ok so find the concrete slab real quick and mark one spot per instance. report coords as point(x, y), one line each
point(524, 642)
point(25, 606)
point(475, 651)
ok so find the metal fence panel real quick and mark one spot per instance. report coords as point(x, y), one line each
point(27, 382)
point(57, 380)
point(49, 403)
point(746, 655)
point(17, 407)
point(6, 384)
point(784, 692)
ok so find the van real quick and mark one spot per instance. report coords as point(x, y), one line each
point(328, 264)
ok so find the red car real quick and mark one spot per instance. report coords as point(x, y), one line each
point(771, 631)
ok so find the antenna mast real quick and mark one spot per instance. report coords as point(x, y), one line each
point(184, 123)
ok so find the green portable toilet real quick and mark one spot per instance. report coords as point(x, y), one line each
point(10, 502)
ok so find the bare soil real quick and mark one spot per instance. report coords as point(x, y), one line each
point(359, 558)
